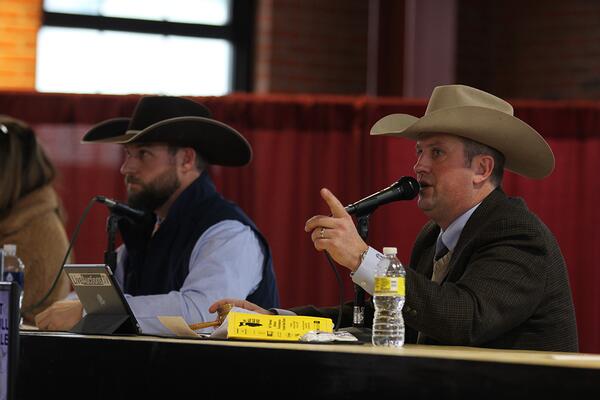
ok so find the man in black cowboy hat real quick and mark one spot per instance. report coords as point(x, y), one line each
point(485, 271)
point(197, 247)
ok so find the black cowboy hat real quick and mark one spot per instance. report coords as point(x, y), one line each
point(176, 121)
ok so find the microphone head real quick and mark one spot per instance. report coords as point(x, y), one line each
point(407, 187)
point(122, 209)
point(104, 200)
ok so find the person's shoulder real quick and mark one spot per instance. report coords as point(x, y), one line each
point(499, 205)
point(516, 208)
point(228, 226)
point(229, 230)
point(509, 216)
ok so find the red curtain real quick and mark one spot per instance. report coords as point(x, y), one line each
point(303, 143)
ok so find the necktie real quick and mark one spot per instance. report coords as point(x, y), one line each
point(441, 250)
point(440, 270)
point(440, 262)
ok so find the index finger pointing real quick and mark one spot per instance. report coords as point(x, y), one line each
point(337, 209)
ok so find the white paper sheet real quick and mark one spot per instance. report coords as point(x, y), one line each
point(180, 328)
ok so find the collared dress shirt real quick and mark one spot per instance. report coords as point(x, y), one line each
point(226, 261)
point(364, 276)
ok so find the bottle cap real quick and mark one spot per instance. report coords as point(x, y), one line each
point(390, 250)
point(10, 249)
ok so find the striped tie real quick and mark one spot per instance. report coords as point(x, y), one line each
point(440, 264)
point(440, 270)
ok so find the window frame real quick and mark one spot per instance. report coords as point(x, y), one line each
point(239, 31)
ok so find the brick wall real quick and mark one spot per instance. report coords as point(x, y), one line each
point(311, 46)
point(514, 48)
point(531, 49)
point(19, 23)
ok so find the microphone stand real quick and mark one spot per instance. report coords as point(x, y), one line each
point(114, 323)
point(110, 255)
point(358, 316)
point(358, 328)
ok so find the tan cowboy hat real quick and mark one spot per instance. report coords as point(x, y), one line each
point(177, 121)
point(474, 114)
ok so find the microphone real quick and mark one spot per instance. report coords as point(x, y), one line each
point(121, 209)
point(405, 189)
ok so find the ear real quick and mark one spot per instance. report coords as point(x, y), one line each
point(482, 166)
point(187, 159)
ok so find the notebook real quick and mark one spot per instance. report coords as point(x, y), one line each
point(107, 311)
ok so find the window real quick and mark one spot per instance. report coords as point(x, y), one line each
point(177, 47)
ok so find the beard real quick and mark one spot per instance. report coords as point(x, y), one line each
point(155, 193)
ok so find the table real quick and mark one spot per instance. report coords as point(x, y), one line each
point(64, 365)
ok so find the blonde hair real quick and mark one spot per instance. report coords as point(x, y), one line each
point(24, 166)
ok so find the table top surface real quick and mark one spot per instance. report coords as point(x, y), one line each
point(568, 360)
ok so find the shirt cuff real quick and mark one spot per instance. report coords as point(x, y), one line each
point(365, 273)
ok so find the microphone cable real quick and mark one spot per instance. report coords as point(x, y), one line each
point(340, 290)
point(71, 244)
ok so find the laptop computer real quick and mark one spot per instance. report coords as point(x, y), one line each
point(107, 311)
point(9, 338)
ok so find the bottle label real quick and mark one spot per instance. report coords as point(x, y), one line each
point(389, 286)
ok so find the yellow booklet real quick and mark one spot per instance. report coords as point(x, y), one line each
point(273, 327)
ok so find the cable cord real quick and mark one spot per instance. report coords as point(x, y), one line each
point(71, 244)
point(341, 290)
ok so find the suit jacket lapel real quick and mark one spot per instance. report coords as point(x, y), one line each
point(469, 232)
point(426, 248)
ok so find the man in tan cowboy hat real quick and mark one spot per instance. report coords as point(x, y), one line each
point(485, 271)
point(196, 247)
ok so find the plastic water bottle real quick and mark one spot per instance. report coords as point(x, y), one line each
point(14, 269)
point(388, 324)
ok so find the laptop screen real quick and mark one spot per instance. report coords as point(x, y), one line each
point(9, 337)
point(107, 311)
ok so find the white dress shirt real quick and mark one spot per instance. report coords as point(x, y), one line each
point(364, 276)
